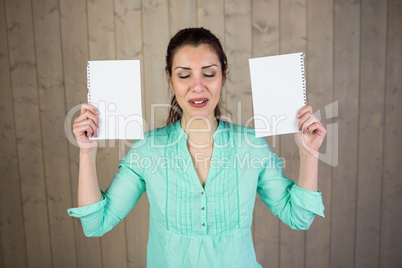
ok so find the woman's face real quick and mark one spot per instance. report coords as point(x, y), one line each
point(197, 81)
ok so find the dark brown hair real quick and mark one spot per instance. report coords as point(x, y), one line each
point(193, 37)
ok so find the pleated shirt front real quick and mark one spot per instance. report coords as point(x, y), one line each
point(192, 225)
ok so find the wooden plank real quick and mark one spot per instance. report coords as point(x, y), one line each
point(209, 16)
point(265, 40)
point(371, 132)
point(101, 33)
point(346, 91)
point(238, 50)
point(391, 237)
point(137, 224)
point(129, 46)
point(101, 30)
point(128, 30)
point(265, 28)
point(12, 233)
point(46, 18)
point(155, 41)
point(28, 132)
point(293, 36)
point(319, 70)
point(182, 14)
point(73, 23)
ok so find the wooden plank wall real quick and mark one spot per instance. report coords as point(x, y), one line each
point(353, 57)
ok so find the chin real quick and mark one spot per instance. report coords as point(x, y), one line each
point(204, 112)
point(199, 116)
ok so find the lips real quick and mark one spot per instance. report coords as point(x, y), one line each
point(198, 102)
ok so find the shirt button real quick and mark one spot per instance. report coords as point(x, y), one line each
point(203, 224)
point(202, 208)
point(71, 213)
point(202, 192)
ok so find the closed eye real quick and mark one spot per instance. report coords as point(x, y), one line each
point(209, 75)
point(184, 76)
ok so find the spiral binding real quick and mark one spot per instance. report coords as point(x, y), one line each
point(89, 81)
point(303, 77)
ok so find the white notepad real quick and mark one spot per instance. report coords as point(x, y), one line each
point(114, 87)
point(279, 91)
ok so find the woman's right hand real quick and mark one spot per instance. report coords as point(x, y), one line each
point(85, 125)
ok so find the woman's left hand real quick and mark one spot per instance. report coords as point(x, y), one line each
point(313, 132)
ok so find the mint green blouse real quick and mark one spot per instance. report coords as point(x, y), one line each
point(195, 226)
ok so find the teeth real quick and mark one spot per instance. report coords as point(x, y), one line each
point(198, 102)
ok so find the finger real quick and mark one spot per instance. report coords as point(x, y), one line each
point(93, 130)
point(88, 107)
point(82, 130)
point(310, 120)
point(80, 133)
point(319, 122)
point(87, 122)
point(84, 121)
point(304, 110)
point(317, 128)
point(87, 115)
point(303, 120)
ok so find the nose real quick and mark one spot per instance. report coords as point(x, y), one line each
point(198, 84)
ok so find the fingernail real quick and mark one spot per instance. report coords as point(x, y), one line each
point(298, 115)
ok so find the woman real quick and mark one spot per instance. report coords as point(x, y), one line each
point(205, 173)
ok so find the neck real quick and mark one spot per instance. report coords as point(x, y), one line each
point(199, 131)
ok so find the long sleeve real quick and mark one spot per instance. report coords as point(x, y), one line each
point(116, 202)
point(294, 205)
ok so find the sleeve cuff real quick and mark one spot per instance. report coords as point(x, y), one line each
point(80, 212)
point(308, 200)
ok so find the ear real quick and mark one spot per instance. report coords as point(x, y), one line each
point(224, 79)
point(224, 76)
point(169, 78)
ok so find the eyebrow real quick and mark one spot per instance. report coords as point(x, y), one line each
point(206, 67)
point(187, 68)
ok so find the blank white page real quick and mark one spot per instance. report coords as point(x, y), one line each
point(278, 90)
point(114, 87)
